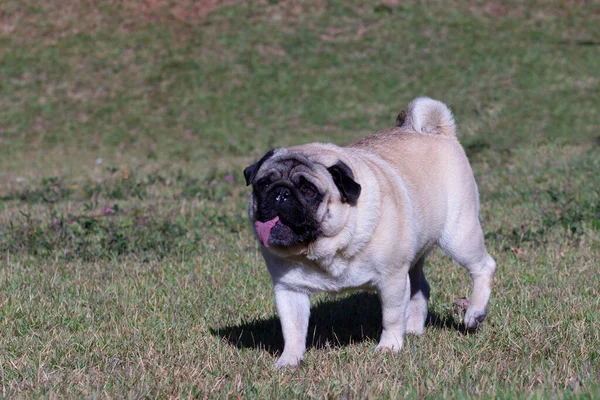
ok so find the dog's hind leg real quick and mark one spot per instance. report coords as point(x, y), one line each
point(464, 243)
point(419, 296)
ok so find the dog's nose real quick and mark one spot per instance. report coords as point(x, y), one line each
point(282, 194)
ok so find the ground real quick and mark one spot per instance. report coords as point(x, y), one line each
point(128, 267)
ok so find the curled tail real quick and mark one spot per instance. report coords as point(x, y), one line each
point(429, 116)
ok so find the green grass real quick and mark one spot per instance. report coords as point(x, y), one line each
point(127, 264)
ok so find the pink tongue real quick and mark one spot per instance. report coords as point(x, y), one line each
point(263, 229)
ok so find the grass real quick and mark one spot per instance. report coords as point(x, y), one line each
point(128, 267)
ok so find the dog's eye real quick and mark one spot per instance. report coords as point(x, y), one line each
point(308, 191)
point(263, 184)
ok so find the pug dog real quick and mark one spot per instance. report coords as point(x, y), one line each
point(331, 218)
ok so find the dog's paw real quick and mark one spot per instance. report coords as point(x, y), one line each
point(415, 329)
point(382, 348)
point(287, 361)
point(416, 322)
point(473, 318)
point(390, 343)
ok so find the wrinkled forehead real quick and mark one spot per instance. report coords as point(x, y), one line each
point(293, 166)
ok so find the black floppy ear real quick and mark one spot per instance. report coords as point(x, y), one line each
point(250, 172)
point(344, 180)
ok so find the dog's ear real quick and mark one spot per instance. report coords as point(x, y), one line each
point(344, 180)
point(250, 172)
point(401, 118)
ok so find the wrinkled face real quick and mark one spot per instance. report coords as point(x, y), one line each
point(290, 195)
point(287, 201)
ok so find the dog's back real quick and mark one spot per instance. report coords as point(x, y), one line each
point(430, 161)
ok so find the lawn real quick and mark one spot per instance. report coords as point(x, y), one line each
point(128, 267)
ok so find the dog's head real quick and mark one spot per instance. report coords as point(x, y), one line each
point(299, 194)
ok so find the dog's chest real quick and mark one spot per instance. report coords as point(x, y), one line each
point(341, 275)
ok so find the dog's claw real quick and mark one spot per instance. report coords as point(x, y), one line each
point(473, 319)
point(285, 361)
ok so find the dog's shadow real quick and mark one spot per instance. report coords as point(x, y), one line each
point(333, 323)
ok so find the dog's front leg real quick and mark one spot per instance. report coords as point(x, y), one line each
point(394, 293)
point(294, 310)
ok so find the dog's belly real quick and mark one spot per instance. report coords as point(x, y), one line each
point(309, 279)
